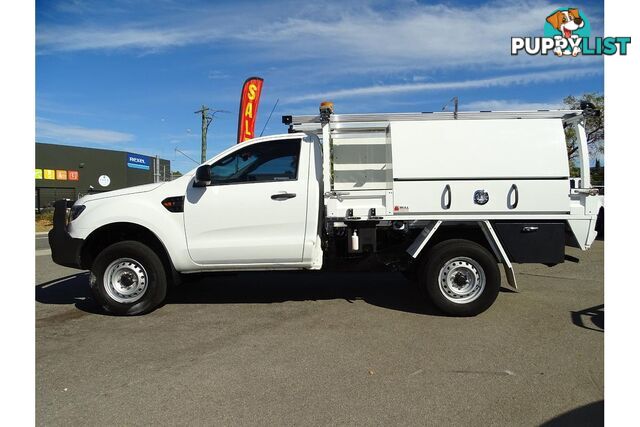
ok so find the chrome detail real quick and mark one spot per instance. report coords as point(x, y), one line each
point(480, 197)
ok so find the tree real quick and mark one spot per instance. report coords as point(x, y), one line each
point(594, 126)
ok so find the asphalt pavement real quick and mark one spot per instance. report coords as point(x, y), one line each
point(323, 348)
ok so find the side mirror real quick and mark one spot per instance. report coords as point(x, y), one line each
point(203, 176)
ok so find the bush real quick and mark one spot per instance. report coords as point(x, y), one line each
point(44, 220)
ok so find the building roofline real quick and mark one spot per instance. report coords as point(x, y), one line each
point(97, 149)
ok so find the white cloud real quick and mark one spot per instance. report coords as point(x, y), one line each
point(95, 38)
point(365, 36)
point(46, 129)
point(510, 105)
point(509, 80)
point(217, 74)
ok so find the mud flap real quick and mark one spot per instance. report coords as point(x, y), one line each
point(422, 239)
point(500, 253)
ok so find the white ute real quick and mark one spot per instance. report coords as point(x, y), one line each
point(443, 197)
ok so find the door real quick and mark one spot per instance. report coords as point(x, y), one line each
point(254, 211)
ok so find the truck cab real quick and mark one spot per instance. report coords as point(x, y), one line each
point(256, 206)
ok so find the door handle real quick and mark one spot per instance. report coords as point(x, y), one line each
point(445, 199)
point(513, 194)
point(283, 196)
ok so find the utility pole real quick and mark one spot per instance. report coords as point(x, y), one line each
point(156, 169)
point(206, 121)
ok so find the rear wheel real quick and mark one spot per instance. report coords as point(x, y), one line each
point(461, 277)
point(128, 278)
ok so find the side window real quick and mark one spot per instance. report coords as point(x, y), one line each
point(264, 162)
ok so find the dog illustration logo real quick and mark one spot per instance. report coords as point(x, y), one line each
point(567, 32)
point(564, 23)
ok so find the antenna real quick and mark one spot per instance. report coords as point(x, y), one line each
point(272, 110)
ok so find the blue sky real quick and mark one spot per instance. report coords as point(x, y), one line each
point(128, 75)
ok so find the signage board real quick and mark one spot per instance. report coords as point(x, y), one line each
point(104, 180)
point(137, 161)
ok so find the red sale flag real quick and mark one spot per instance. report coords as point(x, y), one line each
point(249, 101)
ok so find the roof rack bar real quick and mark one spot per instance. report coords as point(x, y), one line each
point(306, 123)
point(472, 115)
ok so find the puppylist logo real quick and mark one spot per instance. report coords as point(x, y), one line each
point(567, 33)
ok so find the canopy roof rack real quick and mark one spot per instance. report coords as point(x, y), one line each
point(311, 123)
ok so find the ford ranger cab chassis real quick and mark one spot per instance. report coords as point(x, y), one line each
point(445, 198)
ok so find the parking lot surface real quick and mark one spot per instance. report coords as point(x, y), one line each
point(323, 348)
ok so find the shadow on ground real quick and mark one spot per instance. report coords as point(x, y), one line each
point(587, 415)
point(387, 290)
point(590, 318)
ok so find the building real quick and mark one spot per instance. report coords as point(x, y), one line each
point(66, 172)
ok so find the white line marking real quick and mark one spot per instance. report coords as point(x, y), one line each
point(416, 372)
point(42, 252)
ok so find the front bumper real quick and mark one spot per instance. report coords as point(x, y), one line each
point(65, 250)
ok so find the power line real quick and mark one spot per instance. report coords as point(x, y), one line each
point(188, 157)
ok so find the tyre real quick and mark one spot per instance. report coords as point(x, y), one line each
point(128, 278)
point(460, 277)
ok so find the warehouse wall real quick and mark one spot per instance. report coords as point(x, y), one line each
point(83, 168)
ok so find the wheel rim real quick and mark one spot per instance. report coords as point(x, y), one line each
point(125, 280)
point(461, 280)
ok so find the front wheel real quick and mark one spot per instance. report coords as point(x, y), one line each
point(461, 277)
point(128, 278)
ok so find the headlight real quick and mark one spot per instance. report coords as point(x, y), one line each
point(76, 210)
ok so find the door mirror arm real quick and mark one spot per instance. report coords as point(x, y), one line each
point(203, 176)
